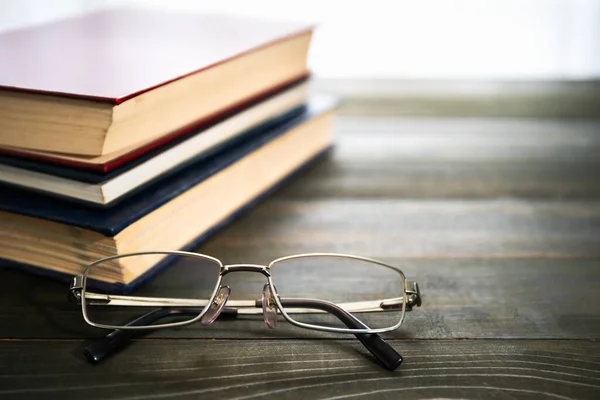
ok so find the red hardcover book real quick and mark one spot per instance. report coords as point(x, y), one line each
point(107, 81)
point(112, 161)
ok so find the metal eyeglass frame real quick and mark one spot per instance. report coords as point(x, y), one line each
point(410, 297)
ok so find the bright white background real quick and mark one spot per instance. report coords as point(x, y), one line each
point(405, 39)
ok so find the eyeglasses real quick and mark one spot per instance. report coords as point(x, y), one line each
point(319, 291)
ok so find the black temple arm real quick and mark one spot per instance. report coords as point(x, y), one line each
point(117, 339)
point(101, 348)
point(372, 341)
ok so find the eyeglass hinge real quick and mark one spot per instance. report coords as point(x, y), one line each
point(75, 289)
point(413, 295)
point(413, 298)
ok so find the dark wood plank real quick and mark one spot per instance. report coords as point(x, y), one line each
point(463, 298)
point(463, 158)
point(381, 228)
point(304, 369)
point(410, 98)
point(498, 220)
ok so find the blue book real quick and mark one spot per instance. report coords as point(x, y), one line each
point(59, 237)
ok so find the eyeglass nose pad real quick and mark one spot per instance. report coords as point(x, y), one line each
point(269, 307)
point(216, 306)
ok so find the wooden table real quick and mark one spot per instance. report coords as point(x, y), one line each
point(498, 220)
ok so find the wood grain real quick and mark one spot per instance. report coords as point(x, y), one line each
point(457, 158)
point(385, 228)
point(497, 219)
point(470, 98)
point(271, 369)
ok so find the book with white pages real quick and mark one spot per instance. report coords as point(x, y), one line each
point(105, 192)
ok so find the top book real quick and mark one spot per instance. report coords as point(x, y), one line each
point(102, 82)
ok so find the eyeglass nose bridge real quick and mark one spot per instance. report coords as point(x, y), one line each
point(262, 269)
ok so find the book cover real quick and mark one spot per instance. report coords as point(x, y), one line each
point(112, 80)
point(96, 177)
point(104, 191)
point(114, 55)
point(129, 287)
point(95, 169)
point(110, 221)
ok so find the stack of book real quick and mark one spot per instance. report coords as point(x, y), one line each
point(126, 130)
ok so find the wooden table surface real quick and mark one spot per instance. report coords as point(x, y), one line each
point(497, 219)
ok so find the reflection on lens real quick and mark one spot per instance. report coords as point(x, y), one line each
point(357, 285)
point(190, 279)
